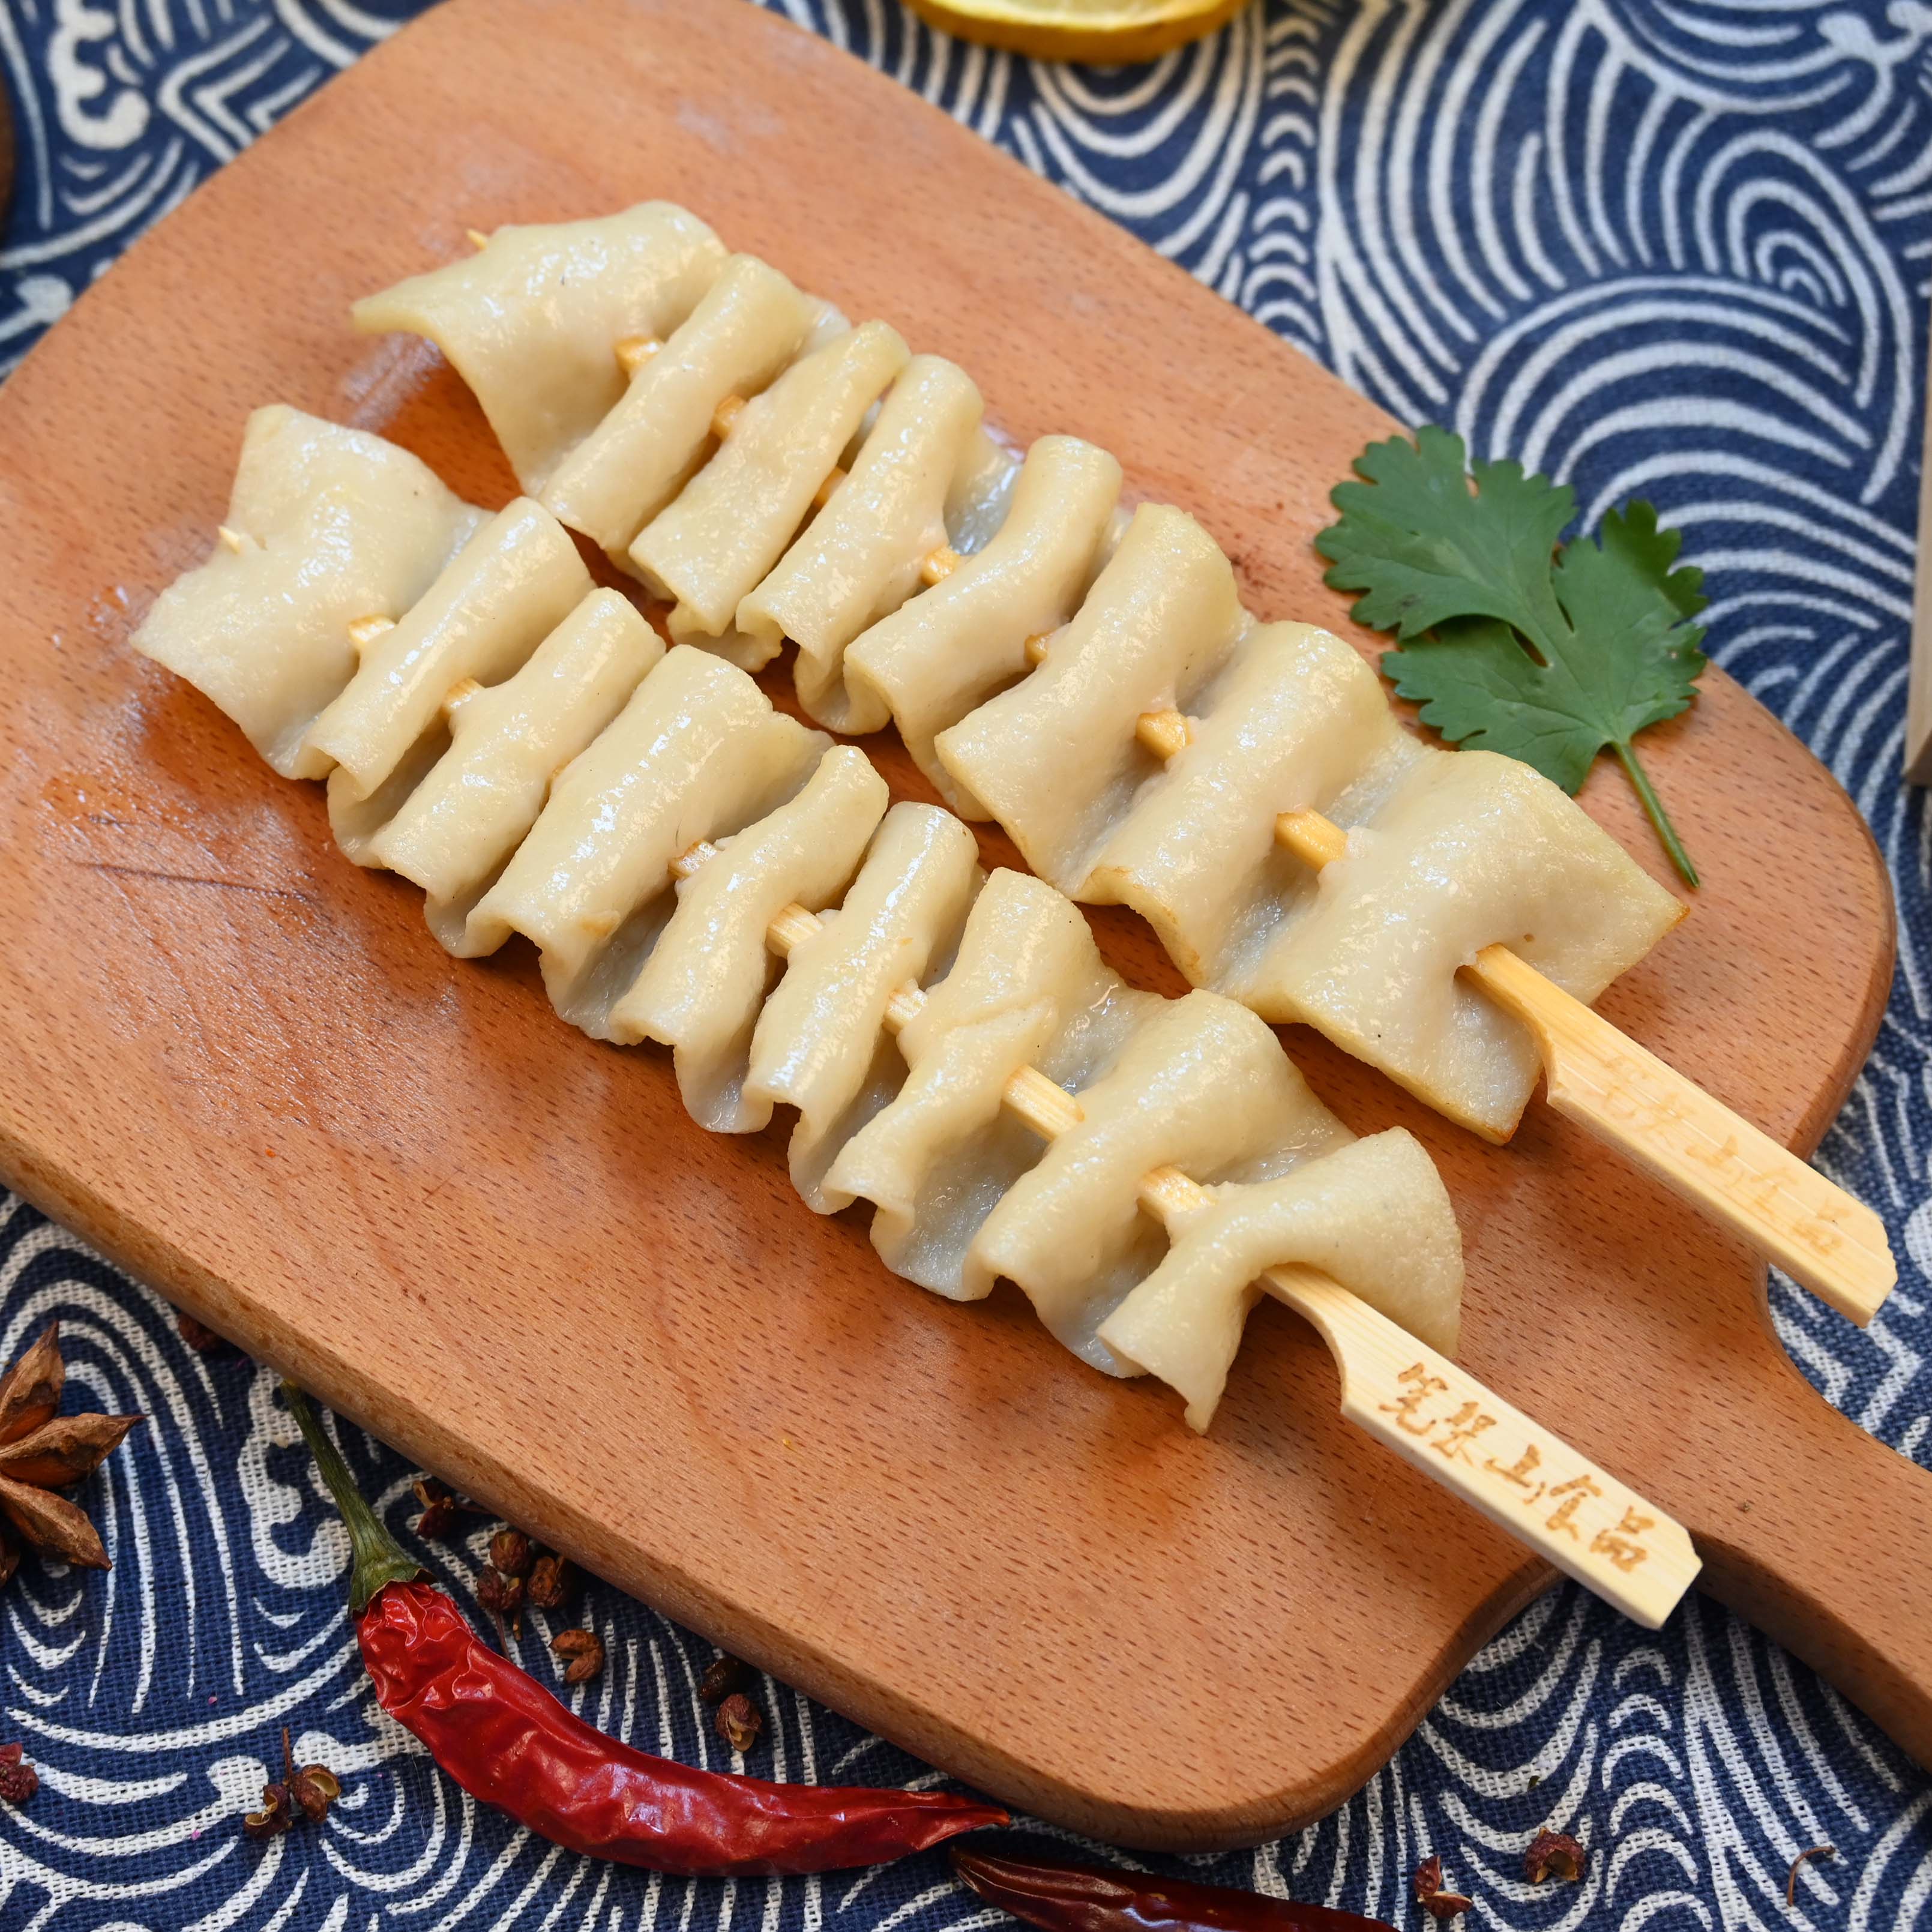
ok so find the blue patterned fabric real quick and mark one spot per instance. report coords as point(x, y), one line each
point(1673, 247)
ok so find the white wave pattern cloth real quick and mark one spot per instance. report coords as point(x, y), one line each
point(1676, 250)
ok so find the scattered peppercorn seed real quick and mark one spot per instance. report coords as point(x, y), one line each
point(584, 1652)
point(512, 1552)
point(553, 1581)
point(276, 1816)
point(1432, 1896)
point(502, 1596)
point(438, 1509)
point(18, 1779)
point(1554, 1855)
point(739, 1721)
point(726, 1675)
point(202, 1339)
point(307, 1792)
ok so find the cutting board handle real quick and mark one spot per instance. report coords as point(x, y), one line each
point(1825, 1542)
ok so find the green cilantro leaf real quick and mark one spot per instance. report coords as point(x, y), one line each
point(1512, 644)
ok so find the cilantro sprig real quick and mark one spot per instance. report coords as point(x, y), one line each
point(1514, 643)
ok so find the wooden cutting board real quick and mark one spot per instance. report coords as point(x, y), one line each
point(242, 1067)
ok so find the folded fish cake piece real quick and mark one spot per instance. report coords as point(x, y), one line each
point(1028, 989)
point(749, 326)
point(697, 753)
point(821, 1044)
point(1055, 759)
point(334, 525)
point(1372, 1214)
point(927, 664)
point(471, 811)
point(700, 990)
point(860, 557)
point(532, 321)
point(512, 583)
point(1292, 721)
point(1203, 1086)
point(1466, 850)
point(713, 543)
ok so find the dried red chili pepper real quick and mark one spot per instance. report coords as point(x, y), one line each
point(1062, 1897)
point(507, 1740)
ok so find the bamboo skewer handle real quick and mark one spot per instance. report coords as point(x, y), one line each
point(1823, 1238)
point(1437, 1417)
point(1432, 1413)
point(1718, 1161)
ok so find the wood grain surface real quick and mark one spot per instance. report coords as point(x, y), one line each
point(242, 1067)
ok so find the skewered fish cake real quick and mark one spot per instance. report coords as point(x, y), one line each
point(713, 543)
point(750, 325)
point(326, 525)
point(453, 833)
point(1372, 1214)
point(1292, 721)
point(699, 991)
point(1055, 759)
point(1028, 987)
point(859, 557)
point(1466, 850)
point(929, 663)
point(1449, 851)
point(697, 753)
point(511, 584)
point(529, 321)
point(1202, 1085)
point(821, 1044)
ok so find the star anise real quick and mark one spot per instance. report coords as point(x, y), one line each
point(41, 1451)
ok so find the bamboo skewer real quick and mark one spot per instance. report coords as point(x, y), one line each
point(1431, 1412)
point(1715, 1160)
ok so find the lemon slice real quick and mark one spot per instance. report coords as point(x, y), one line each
point(1104, 31)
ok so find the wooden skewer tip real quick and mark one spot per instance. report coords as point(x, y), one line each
point(940, 566)
point(635, 351)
